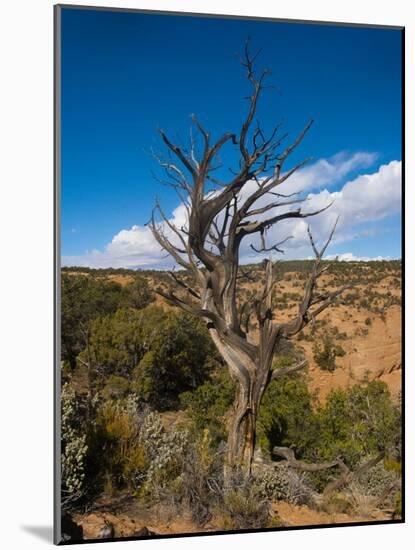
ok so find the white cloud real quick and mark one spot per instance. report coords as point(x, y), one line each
point(367, 198)
point(350, 257)
point(134, 247)
point(327, 172)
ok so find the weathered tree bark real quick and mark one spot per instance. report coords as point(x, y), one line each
point(242, 428)
point(220, 215)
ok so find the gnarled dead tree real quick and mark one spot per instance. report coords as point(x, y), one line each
point(220, 214)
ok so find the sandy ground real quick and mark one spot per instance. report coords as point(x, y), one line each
point(160, 522)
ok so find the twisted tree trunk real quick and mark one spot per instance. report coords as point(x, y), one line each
point(219, 215)
point(242, 425)
point(242, 420)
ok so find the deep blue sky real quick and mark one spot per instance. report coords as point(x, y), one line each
point(126, 74)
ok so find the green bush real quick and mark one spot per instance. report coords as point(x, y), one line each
point(119, 341)
point(360, 421)
point(325, 354)
point(354, 424)
point(83, 298)
point(161, 353)
point(115, 387)
point(286, 414)
point(137, 294)
point(179, 358)
point(208, 404)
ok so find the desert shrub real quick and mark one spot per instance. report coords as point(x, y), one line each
point(124, 457)
point(208, 404)
point(394, 464)
point(272, 484)
point(361, 503)
point(378, 480)
point(153, 349)
point(116, 387)
point(200, 484)
point(166, 451)
point(243, 507)
point(337, 335)
point(285, 414)
point(336, 503)
point(364, 303)
point(180, 358)
point(307, 335)
point(131, 449)
point(353, 424)
point(74, 447)
point(83, 298)
point(283, 483)
point(137, 294)
point(325, 354)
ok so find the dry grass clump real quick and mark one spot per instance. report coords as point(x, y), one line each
point(362, 504)
point(242, 505)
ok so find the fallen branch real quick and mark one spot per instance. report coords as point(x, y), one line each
point(345, 478)
point(289, 456)
point(348, 475)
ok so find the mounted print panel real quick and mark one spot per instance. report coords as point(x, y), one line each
point(228, 274)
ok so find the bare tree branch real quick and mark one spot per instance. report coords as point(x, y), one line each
point(179, 153)
point(284, 371)
point(306, 313)
point(275, 247)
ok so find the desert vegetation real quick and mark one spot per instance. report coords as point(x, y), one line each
point(147, 401)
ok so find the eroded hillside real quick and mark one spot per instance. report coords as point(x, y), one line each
point(365, 322)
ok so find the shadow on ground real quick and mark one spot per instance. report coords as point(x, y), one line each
point(43, 532)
